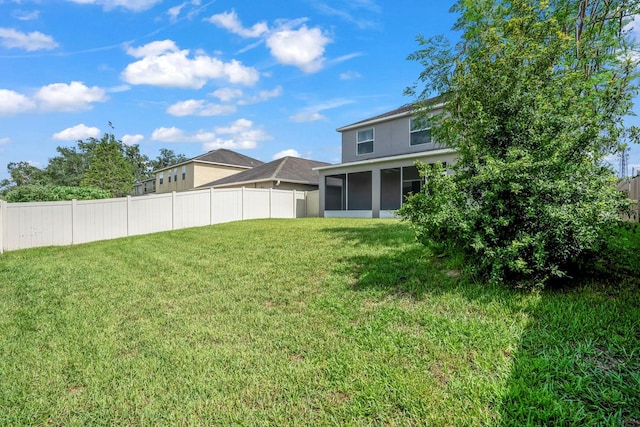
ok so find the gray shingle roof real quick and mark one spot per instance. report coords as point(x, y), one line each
point(287, 169)
point(407, 108)
point(228, 157)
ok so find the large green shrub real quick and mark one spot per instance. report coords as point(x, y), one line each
point(535, 94)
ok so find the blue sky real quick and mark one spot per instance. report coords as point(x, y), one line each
point(265, 78)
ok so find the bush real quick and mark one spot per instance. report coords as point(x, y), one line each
point(39, 193)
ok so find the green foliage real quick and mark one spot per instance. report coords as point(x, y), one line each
point(535, 94)
point(166, 158)
point(109, 168)
point(41, 193)
point(340, 322)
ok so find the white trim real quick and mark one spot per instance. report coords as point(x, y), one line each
point(372, 140)
point(409, 156)
point(348, 214)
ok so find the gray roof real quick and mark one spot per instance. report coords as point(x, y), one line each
point(407, 108)
point(222, 156)
point(287, 169)
point(227, 157)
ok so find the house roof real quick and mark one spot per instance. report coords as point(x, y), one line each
point(286, 169)
point(405, 110)
point(221, 156)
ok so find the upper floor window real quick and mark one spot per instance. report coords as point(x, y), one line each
point(184, 173)
point(161, 178)
point(175, 174)
point(364, 141)
point(420, 131)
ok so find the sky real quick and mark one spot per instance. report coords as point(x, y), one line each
point(265, 78)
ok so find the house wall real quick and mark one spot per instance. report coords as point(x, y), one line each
point(197, 174)
point(376, 182)
point(391, 138)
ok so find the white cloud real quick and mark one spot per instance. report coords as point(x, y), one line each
point(24, 15)
point(133, 5)
point(306, 116)
point(174, 12)
point(231, 22)
point(226, 94)
point(13, 103)
point(132, 139)
point(30, 42)
point(241, 134)
point(286, 153)
point(198, 107)
point(303, 48)
point(162, 64)
point(262, 96)
point(312, 113)
point(69, 97)
point(5, 140)
point(77, 132)
point(350, 75)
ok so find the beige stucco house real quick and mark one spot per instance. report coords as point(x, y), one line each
point(286, 173)
point(208, 167)
point(377, 170)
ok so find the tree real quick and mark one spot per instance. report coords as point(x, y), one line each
point(138, 162)
point(535, 94)
point(69, 167)
point(109, 168)
point(167, 158)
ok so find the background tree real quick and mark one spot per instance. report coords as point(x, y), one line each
point(109, 168)
point(535, 94)
point(167, 158)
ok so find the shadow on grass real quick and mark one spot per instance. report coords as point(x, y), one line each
point(578, 359)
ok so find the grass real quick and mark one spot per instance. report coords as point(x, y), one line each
point(298, 322)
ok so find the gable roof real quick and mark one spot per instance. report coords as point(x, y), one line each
point(223, 157)
point(287, 169)
point(405, 110)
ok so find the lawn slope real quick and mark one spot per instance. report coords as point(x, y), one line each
point(297, 322)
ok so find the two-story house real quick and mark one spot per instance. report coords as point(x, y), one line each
point(377, 170)
point(208, 167)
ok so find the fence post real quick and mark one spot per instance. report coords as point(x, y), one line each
point(129, 215)
point(211, 206)
point(295, 204)
point(173, 210)
point(3, 219)
point(242, 205)
point(74, 205)
point(270, 203)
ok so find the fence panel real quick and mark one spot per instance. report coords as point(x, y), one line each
point(256, 203)
point(192, 209)
point(150, 214)
point(99, 220)
point(31, 225)
point(281, 204)
point(28, 225)
point(226, 206)
point(313, 204)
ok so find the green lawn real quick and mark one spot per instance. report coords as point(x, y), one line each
point(297, 322)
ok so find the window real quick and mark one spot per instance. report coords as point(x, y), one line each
point(162, 178)
point(175, 175)
point(184, 173)
point(364, 141)
point(420, 131)
point(169, 176)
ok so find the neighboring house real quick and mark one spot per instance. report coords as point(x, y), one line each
point(202, 169)
point(377, 170)
point(287, 173)
point(148, 186)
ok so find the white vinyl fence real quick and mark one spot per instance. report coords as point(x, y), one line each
point(28, 225)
